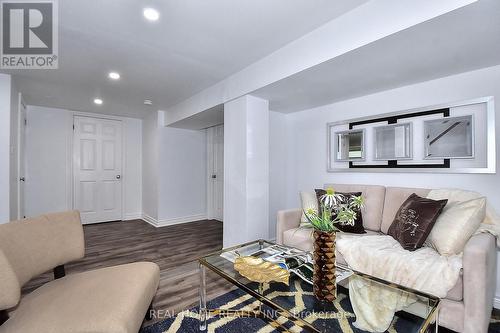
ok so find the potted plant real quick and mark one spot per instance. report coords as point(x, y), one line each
point(334, 208)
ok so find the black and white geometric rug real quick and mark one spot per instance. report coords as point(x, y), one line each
point(188, 321)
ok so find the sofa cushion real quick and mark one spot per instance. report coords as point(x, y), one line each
point(452, 315)
point(301, 238)
point(374, 202)
point(308, 201)
point(458, 222)
point(457, 292)
point(414, 221)
point(107, 300)
point(394, 198)
point(357, 228)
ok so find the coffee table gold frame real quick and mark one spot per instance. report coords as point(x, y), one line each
point(432, 319)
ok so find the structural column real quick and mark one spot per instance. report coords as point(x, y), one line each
point(246, 170)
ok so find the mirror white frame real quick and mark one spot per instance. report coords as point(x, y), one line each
point(490, 141)
point(406, 144)
point(337, 145)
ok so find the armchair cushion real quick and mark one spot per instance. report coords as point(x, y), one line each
point(10, 290)
point(107, 300)
point(36, 245)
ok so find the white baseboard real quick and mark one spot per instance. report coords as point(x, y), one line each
point(150, 220)
point(178, 220)
point(496, 302)
point(132, 216)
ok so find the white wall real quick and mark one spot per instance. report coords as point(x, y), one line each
point(150, 130)
point(48, 162)
point(174, 173)
point(183, 175)
point(14, 131)
point(133, 169)
point(164, 174)
point(306, 138)
point(5, 88)
point(277, 167)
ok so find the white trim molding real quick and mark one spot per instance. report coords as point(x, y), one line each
point(132, 216)
point(178, 220)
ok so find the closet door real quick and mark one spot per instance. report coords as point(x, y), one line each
point(97, 161)
point(215, 139)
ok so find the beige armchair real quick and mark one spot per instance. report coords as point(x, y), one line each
point(107, 300)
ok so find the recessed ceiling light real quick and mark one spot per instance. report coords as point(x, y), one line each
point(148, 102)
point(151, 14)
point(114, 76)
point(98, 101)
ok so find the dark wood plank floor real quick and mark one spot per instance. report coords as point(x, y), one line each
point(174, 248)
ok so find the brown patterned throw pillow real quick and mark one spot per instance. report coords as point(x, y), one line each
point(357, 228)
point(414, 221)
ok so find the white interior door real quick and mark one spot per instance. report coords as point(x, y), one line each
point(215, 139)
point(21, 151)
point(97, 161)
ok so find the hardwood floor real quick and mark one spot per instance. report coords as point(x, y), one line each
point(175, 249)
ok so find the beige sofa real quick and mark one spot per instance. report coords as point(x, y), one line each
point(107, 300)
point(467, 307)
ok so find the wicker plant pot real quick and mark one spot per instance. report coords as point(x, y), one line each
point(324, 285)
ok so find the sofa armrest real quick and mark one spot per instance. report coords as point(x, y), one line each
point(479, 264)
point(287, 219)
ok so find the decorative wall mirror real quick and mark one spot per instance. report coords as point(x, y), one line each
point(349, 145)
point(393, 142)
point(451, 137)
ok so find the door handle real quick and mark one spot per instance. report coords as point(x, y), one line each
point(22, 179)
point(118, 177)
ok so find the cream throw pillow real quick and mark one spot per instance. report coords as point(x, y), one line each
point(309, 201)
point(457, 223)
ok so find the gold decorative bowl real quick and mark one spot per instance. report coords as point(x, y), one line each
point(259, 270)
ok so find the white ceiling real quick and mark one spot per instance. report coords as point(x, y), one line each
point(194, 45)
point(463, 40)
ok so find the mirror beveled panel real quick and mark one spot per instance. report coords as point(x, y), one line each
point(393, 142)
point(451, 137)
point(350, 145)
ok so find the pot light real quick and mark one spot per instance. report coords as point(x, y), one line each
point(98, 101)
point(151, 14)
point(114, 76)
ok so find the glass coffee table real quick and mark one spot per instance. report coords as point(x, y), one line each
point(294, 308)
